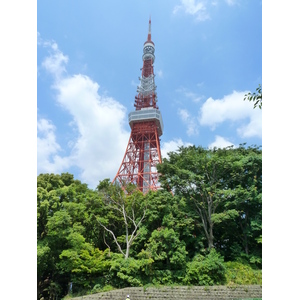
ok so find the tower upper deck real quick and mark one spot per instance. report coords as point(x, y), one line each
point(146, 99)
point(147, 114)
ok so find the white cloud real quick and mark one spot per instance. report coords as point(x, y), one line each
point(194, 97)
point(220, 142)
point(254, 127)
point(56, 61)
point(189, 121)
point(231, 2)
point(173, 146)
point(232, 108)
point(184, 115)
point(191, 95)
point(159, 73)
point(193, 8)
point(47, 149)
point(55, 64)
point(99, 121)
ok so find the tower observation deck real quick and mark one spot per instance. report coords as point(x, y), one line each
point(143, 150)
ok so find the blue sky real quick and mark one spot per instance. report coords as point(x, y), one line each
point(89, 56)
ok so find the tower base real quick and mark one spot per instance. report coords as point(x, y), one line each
point(141, 157)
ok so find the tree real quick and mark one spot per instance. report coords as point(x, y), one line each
point(173, 212)
point(204, 177)
point(129, 207)
point(241, 237)
point(255, 97)
point(168, 253)
point(95, 238)
point(84, 262)
point(61, 215)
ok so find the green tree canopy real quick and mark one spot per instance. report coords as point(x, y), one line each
point(212, 179)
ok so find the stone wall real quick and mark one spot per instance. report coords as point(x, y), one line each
point(180, 293)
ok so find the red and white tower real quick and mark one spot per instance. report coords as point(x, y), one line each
point(143, 149)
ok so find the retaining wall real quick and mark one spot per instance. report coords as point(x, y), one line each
point(180, 293)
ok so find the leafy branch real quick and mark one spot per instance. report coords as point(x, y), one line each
point(256, 97)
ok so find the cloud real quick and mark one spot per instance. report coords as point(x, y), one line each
point(231, 2)
point(191, 95)
point(47, 149)
point(54, 64)
point(194, 8)
point(189, 121)
point(159, 73)
point(220, 142)
point(254, 127)
point(97, 119)
point(232, 108)
point(56, 61)
point(172, 146)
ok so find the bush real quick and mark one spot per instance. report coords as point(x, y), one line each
point(96, 288)
point(205, 270)
point(99, 289)
point(126, 273)
point(238, 273)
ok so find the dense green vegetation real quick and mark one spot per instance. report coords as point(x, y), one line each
point(202, 228)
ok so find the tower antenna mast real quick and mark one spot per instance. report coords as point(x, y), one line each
point(143, 149)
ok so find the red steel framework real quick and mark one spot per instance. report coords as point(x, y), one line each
point(143, 150)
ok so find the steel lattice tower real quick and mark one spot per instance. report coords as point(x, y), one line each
point(143, 149)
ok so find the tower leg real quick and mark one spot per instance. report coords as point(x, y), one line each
point(141, 157)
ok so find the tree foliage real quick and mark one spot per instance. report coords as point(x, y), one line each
point(202, 228)
point(255, 97)
point(212, 180)
point(206, 270)
point(131, 209)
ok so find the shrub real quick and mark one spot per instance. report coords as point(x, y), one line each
point(205, 270)
point(98, 288)
point(126, 272)
point(238, 273)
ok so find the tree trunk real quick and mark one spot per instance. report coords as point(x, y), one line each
point(210, 223)
point(127, 250)
point(246, 244)
point(211, 237)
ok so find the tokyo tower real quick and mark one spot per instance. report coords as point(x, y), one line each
point(143, 150)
